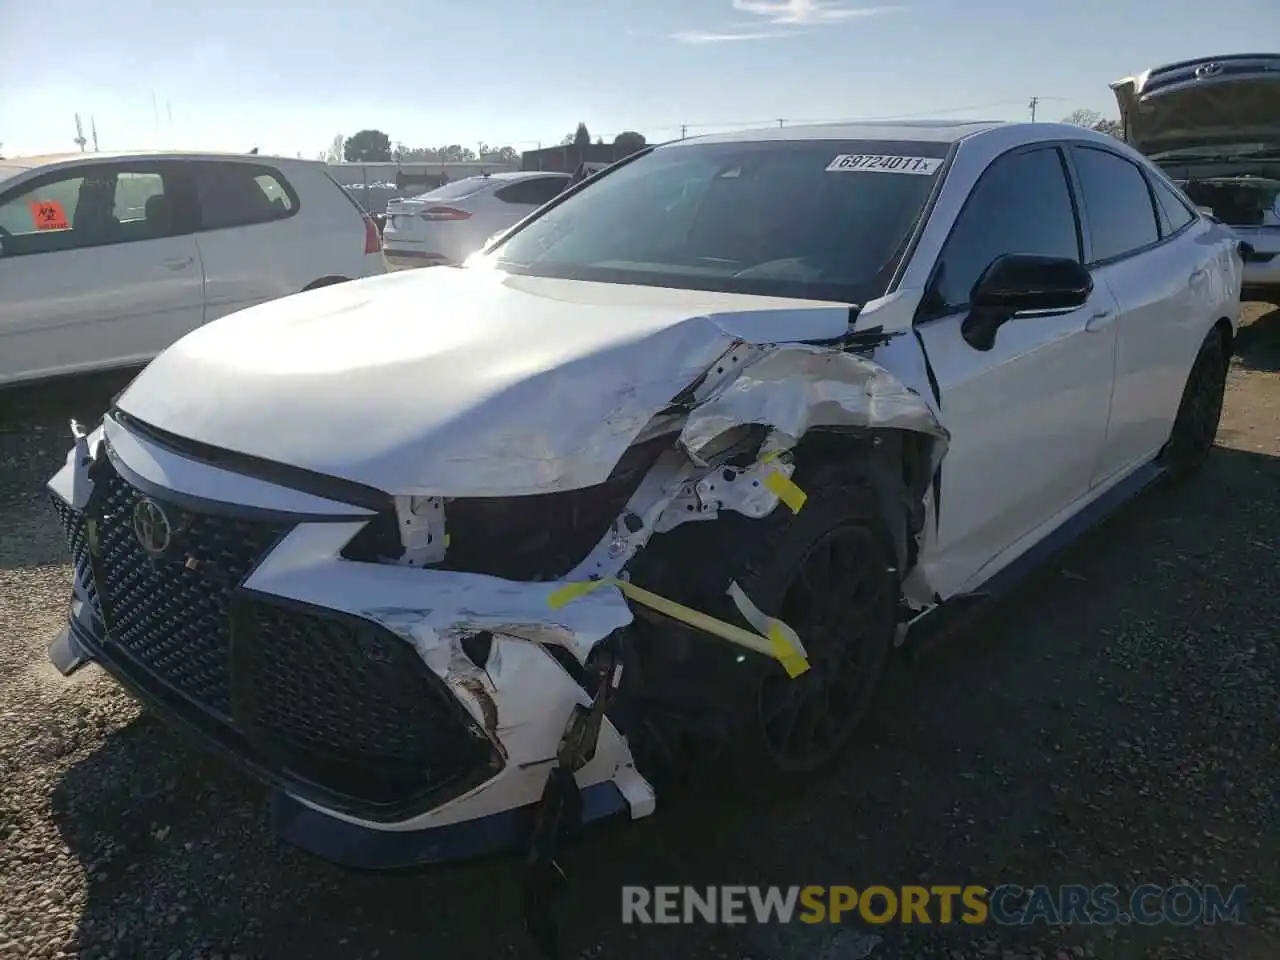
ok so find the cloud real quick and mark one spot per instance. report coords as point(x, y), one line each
point(785, 14)
point(697, 37)
point(809, 11)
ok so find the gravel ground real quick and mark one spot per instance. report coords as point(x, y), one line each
point(1116, 722)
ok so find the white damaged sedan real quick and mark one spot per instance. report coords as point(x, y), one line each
point(455, 558)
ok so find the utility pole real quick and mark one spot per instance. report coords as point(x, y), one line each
point(781, 122)
point(1032, 105)
point(93, 125)
point(684, 128)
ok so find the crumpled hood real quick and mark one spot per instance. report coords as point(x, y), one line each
point(1200, 104)
point(455, 382)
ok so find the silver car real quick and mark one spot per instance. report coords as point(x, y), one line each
point(1213, 125)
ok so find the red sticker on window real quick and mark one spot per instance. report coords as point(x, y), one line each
point(49, 215)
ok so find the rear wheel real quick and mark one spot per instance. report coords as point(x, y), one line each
point(1200, 410)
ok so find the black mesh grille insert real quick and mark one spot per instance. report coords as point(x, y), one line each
point(76, 533)
point(332, 706)
point(346, 703)
point(172, 614)
point(73, 529)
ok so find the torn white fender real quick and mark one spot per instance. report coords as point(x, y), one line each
point(796, 387)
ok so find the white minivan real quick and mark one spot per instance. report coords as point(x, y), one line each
point(106, 259)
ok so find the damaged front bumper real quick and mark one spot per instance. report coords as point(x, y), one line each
point(391, 736)
point(408, 705)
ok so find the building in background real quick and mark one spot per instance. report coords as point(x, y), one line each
point(568, 158)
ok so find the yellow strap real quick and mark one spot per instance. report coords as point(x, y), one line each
point(785, 489)
point(775, 639)
point(572, 591)
point(784, 644)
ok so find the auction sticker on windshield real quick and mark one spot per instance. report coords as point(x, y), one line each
point(873, 163)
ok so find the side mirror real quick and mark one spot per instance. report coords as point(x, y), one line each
point(1019, 282)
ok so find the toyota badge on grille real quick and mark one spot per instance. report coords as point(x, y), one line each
point(151, 527)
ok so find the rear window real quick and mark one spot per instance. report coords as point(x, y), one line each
point(814, 219)
point(533, 192)
point(457, 189)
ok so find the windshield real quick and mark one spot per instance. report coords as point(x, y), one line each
point(813, 219)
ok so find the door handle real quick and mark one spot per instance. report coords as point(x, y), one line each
point(179, 263)
point(1100, 320)
point(1197, 277)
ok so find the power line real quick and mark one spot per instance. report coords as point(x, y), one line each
point(685, 127)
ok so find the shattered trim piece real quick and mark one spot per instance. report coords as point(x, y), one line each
point(774, 638)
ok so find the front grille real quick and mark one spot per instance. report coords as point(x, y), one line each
point(76, 533)
point(315, 698)
point(172, 614)
point(73, 529)
point(346, 703)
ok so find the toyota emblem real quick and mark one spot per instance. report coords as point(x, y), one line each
point(1208, 70)
point(151, 527)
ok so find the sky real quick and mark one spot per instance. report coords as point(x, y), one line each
point(288, 76)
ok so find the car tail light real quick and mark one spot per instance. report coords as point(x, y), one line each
point(444, 213)
point(372, 238)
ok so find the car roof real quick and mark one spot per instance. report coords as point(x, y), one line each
point(513, 175)
point(927, 131)
point(70, 159)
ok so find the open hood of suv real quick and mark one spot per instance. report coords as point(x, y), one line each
point(455, 381)
point(1207, 103)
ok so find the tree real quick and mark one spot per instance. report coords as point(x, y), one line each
point(1112, 127)
point(1093, 120)
point(582, 137)
point(627, 143)
point(368, 146)
point(334, 153)
point(507, 155)
point(456, 153)
point(566, 140)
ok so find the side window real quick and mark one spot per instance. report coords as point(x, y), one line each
point(547, 188)
point(241, 194)
point(1121, 216)
point(1021, 204)
point(534, 192)
point(90, 208)
point(1174, 214)
point(132, 193)
point(41, 218)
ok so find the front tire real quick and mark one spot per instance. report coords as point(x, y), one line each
point(1200, 410)
point(831, 573)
